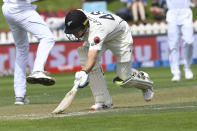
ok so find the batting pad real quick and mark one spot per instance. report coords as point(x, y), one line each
point(97, 79)
point(99, 87)
point(124, 70)
point(140, 81)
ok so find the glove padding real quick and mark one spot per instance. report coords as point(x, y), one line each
point(82, 77)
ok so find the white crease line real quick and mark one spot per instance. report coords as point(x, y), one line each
point(93, 112)
point(37, 117)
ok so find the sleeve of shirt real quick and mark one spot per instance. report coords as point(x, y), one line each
point(96, 42)
point(96, 38)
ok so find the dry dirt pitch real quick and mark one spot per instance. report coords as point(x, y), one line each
point(122, 102)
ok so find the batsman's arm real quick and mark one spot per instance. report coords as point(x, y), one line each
point(92, 57)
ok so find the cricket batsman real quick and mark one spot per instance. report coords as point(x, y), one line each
point(100, 32)
point(22, 18)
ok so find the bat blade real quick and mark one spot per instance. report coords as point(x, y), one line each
point(66, 101)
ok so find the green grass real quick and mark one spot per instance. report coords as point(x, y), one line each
point(179, 121)
point(174, 107)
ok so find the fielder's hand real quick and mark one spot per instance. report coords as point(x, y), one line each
point(82, 77)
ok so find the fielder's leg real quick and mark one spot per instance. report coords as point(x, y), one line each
point(38, 28)
point(188, 53)
point(22, 50)
point(97, 83)
point(188, 37)
point(173, 42)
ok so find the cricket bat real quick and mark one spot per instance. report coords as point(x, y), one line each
point(67, 100)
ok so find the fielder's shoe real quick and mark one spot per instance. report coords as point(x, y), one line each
point(188, 73)
point(21, 101)
point(148, 94)
point(176, 78)
point(100, 106)
point(39, 77)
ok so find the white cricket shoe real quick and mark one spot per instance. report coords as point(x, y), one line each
point(101, 106)
point(188, 73)
point(148, 94)
point(21, 101)
point(40, 77)
point(176, 78)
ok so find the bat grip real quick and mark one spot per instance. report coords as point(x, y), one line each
point(76, 85)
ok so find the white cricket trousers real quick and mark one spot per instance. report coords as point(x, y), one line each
point(23, 19)
point(180, 25)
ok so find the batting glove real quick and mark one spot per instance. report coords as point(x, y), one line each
point(82, 77)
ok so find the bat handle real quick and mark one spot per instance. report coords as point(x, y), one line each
point(76, 85)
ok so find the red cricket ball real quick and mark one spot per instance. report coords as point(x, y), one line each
point(96, 39)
